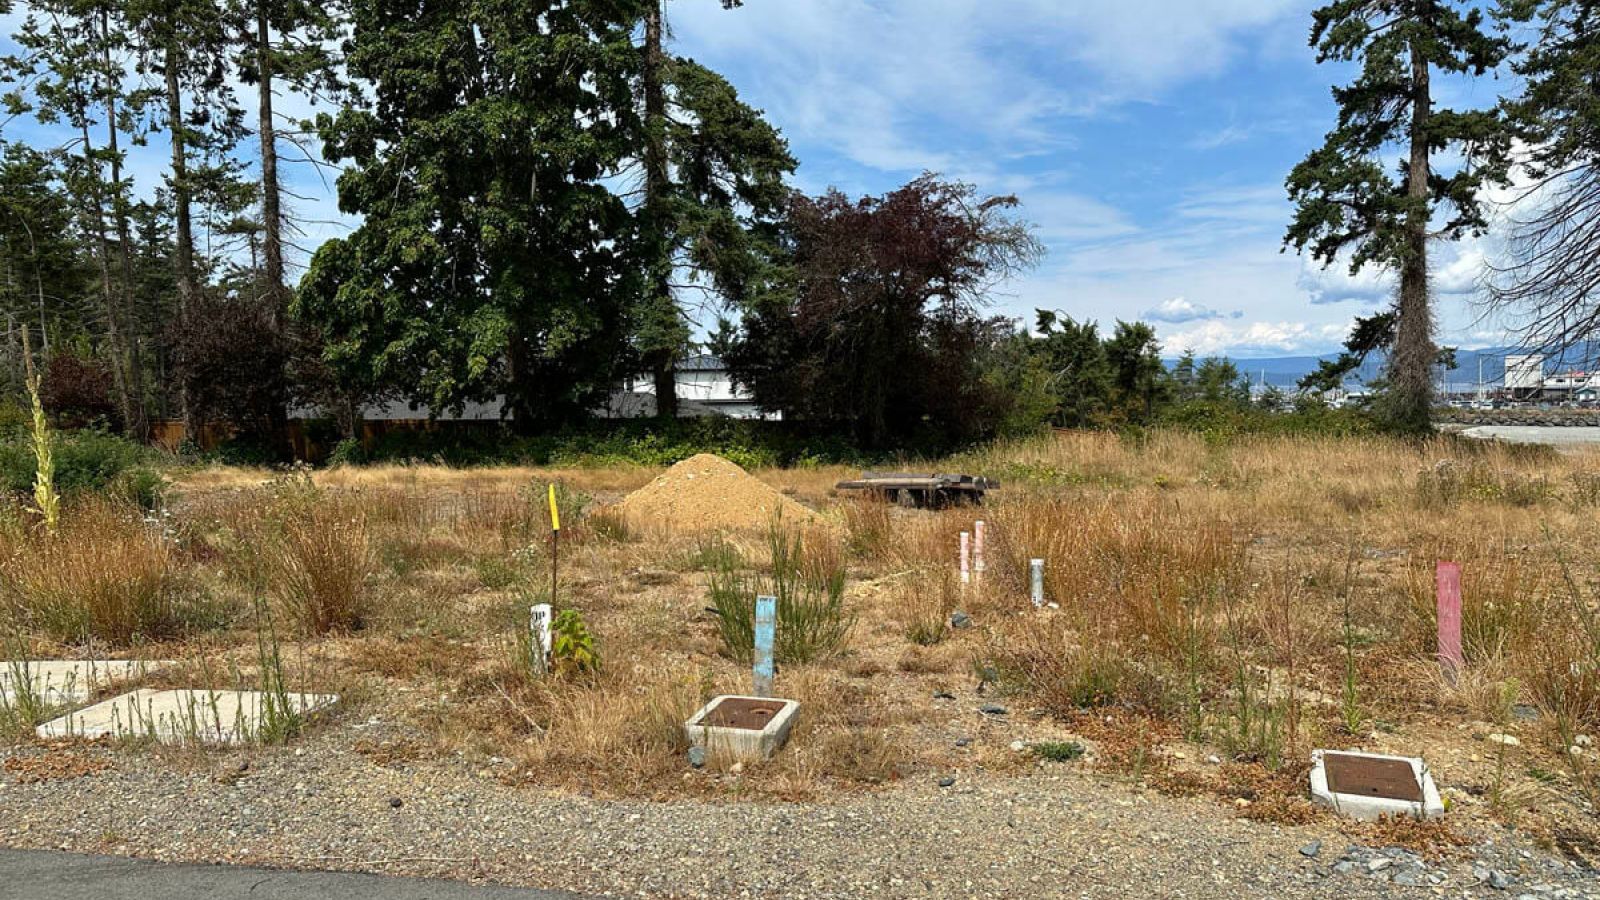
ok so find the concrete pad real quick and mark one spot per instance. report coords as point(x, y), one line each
point(62, 682)
point(180, 717)
point(1376, 795)
point(752, 736)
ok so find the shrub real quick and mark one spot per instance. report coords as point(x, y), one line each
point(572, 647)
point(1058, 751)
point(105, 576)
point(85, 462)
point(813, 622)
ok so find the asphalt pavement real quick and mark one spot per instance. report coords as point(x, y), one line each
point(45, 875)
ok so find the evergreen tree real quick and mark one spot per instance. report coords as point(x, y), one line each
point(491, 254)
point(1346, 200)
point(71, 73)
point(713, 172)
point(282, 44)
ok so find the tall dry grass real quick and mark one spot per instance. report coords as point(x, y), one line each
point(105, 576)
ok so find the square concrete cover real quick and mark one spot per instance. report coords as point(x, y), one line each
point(176, 717)
point(1369, 785)
point(761, 727)
point(60, 682)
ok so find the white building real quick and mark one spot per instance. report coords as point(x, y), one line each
point(705, 388)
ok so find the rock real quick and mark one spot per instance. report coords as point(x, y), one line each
point(1583, 740)
point(1311, 850)
point(1409, 878)
point(943, 695)
point(1343, 867)
point(993, 709)
point(1500, 881)
point(1524, 712)
point(1504, 740)
point(1018, 746)
point(396, 803)
point(947, 781)
point(963, 742)
point(1214, 760)
point(1378, 865)
point(959, 619)
point(697, 757)
point(736, 769)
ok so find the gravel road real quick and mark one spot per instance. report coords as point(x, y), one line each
point(1054, 833)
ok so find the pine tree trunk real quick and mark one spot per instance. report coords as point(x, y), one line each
point(1411, 366)
point(662, 359)
point(183, 254)
point(137, 422)
point(271, 196)
point(97, 227)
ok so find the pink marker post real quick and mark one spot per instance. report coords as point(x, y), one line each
point(1448, 580)
point(966, 557)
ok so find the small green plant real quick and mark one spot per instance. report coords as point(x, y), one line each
point(813, 622)
point(47, 503)
point(1058, 751)
point(572, 646)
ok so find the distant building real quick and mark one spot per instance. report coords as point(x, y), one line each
point(705, 388)
point(1524, 378)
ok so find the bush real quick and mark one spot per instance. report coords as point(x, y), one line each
point(812, 620)
point(106, 576)
point(87, 462)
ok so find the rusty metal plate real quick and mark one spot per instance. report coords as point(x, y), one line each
point(742, 712)
point(1391, 779)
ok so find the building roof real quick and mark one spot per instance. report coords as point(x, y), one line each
point(702, 362)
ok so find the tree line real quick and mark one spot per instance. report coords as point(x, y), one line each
point(551, 200)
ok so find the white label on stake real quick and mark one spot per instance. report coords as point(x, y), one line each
point(539, 622)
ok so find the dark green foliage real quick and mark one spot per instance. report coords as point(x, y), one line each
point(491, 254)
point(86, 461)
point(1349, 206)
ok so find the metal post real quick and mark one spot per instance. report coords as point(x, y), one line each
point(766, 631)
point(1037, 567)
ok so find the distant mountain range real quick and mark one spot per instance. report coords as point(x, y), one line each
point(1286, 371)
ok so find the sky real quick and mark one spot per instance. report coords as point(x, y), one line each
point(1148, 141)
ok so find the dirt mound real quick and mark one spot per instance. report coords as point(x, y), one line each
point(707, 493)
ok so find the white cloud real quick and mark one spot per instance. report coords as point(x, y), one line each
point(1179, 310)
point(907, 85)
point(1255, 338)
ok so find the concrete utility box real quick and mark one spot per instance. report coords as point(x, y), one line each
point(746, 729)
point(1369, 785)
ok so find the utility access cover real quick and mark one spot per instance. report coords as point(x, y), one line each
point(1367, 776)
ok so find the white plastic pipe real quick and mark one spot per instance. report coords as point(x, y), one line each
point(977, 548)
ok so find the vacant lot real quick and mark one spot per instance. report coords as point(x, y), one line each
point(1216, 613)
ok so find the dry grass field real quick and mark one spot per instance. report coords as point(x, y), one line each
point(1216, 613)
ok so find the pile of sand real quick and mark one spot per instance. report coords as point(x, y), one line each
point(708, 493)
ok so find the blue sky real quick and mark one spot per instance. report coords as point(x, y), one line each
point(1147, 139)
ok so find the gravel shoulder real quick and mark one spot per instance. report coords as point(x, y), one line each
point(1051, 833)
